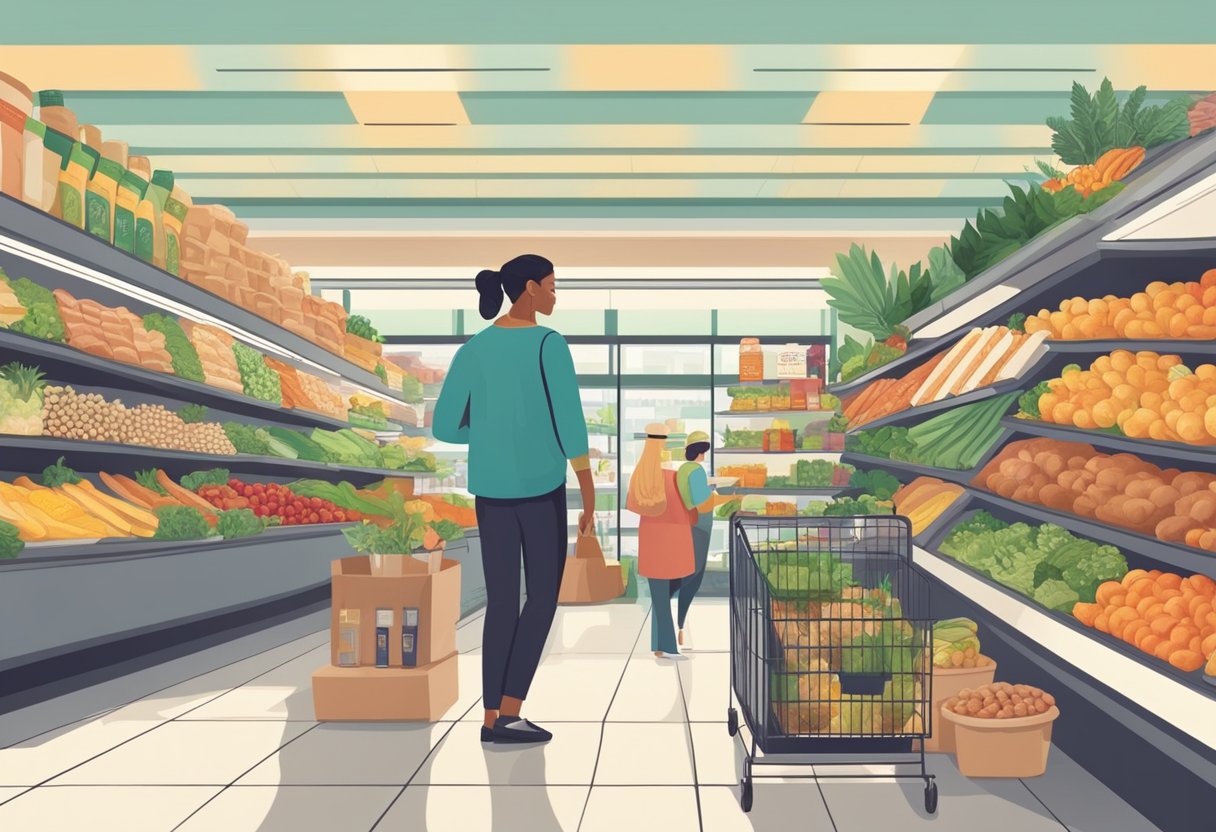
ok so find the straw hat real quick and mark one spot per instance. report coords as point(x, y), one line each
point(695, 438)
point(657, 429)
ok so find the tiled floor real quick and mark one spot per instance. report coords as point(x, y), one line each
point(225, 740)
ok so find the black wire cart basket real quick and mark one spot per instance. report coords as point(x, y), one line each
point(831, 646)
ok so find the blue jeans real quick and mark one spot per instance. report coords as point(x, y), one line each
point(700, 549)
point(662, 630)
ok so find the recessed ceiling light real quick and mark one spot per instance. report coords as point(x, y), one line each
point(922, 69)
point(386, 69)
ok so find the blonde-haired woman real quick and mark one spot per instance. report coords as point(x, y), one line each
point(665, 553)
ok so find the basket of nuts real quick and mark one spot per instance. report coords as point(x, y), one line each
point(1001, 730)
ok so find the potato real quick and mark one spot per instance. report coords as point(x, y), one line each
point(1175, 528)
point(1084, 507)
point(1141, 488)
point(1007, 488)
point(1111, 478)
point(1056, 497)
point(1165, 495)
point(1136, 512)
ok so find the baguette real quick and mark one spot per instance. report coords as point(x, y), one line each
point(1027, 354)
point(1000, 340)
point(953, 356)
point(994, 368)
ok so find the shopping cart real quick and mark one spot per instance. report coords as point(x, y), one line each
point(830, 646)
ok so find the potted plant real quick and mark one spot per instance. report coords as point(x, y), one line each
point(388, 540)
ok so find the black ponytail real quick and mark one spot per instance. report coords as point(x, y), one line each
point(511, 280)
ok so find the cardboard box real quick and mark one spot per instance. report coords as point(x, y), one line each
point(436, 597)
point(590, 581)
point(386, 694)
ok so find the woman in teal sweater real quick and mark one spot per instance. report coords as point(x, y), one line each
point(512, 396)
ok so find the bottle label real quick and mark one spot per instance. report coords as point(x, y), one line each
point(144, 236)
point(124, 229)
point(97, 208)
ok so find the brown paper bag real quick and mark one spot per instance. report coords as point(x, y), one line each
point(588, 547)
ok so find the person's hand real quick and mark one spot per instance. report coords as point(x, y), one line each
point(585, 521)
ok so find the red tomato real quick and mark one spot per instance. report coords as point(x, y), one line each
point(290, 511)
point(327, 516)
point(340, 516)
point(313, 517)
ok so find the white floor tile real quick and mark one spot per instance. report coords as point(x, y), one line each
point(706, 680)
point(774, 806)
point(484, 809)
point(33, 761)
point(352, 754)
point(598, 629)
point(461, 759)
point(644, 754)
point(187, 753)
point(284, 693)
point(991, 804)
point(718, 755)
point(649, 692)
point(707, 628)
point(570, 689)
point(9, 792)
point(468, 634)
point(1080, 800)
point(671, 809)
point(292, 809)
point(129, 808)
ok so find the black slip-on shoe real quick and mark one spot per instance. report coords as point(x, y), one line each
point(487, 734)
point(517, 729)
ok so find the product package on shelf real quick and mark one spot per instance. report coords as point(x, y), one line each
point(214, 348)
point(361, 351)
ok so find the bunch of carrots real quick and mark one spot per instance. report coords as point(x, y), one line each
point(1167, 615)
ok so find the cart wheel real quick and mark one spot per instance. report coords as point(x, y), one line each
point(732, 721)
point(745, 799)
point(931, 798)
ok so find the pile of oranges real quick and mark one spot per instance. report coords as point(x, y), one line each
point(1162, 310)
point(1146, 395)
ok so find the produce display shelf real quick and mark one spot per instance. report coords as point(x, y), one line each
point(68, 365)
point(33, 235)
point(761, 414)
point(1061, 252)
point(760, 452)
point(898, 366)
point(128, 548)
point(1184, 346)
point(912, 469)
point(912, 414)
point(826, 491)
point(1170, 452)
point(1159, 248)
point(33, 453)
point(1183, 703)
point(1193, 679)
point(1171, 555)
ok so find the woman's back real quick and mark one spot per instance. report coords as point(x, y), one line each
point(495, 399)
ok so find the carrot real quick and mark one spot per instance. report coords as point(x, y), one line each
point(1186, 660)
point(1087, 614)
point(183, 495)
point(138, 494)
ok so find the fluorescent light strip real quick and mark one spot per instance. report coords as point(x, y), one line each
point(73, 269)
point(1186, 709)
point(386, 69)
point(897, 69)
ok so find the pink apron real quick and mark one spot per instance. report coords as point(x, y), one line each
point(665, 542)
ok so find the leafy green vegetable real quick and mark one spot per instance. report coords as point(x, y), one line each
point(10, 542)
point(21, 399)
point(1028, 402)
point(196, 480)
point(1056, 595)
point(192, 414)
point(805, 575)
point(186, 363)
point(878, 484)
point(257, 378)
point(447, 530)
point(361, 326)
point(41, 310)
point(247, 439)
point(871, 298)
point(1049, 171)
point(180, 523)
point(239, 522)
point(294, 445)
point(411, 390)
point(57, 474)
point(996, 234)
point(728, 509)
point(947, 276)
point(147, 478)
point(1099, 123)
point(1017, 322)
point(345, 447)
point(344, 496)
point(382, 372)
point(958, 439)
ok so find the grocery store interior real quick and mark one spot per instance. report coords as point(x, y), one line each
point(922, 298)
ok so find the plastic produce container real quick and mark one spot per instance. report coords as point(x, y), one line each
point(1001, 747)
point(948, 682)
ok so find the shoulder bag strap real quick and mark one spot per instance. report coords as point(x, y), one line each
point(544, 379)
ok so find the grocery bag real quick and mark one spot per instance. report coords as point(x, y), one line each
point(587, 546)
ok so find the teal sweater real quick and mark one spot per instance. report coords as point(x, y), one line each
point(494, 401)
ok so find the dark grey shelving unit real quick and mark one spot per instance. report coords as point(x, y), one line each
point(924, 411)
point(909, 470)
point(1170, 453)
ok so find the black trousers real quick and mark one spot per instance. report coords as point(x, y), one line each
point(513, 638)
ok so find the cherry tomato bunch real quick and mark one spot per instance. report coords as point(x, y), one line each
point(275, 500)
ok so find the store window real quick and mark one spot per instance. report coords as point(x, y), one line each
point(665, 359)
